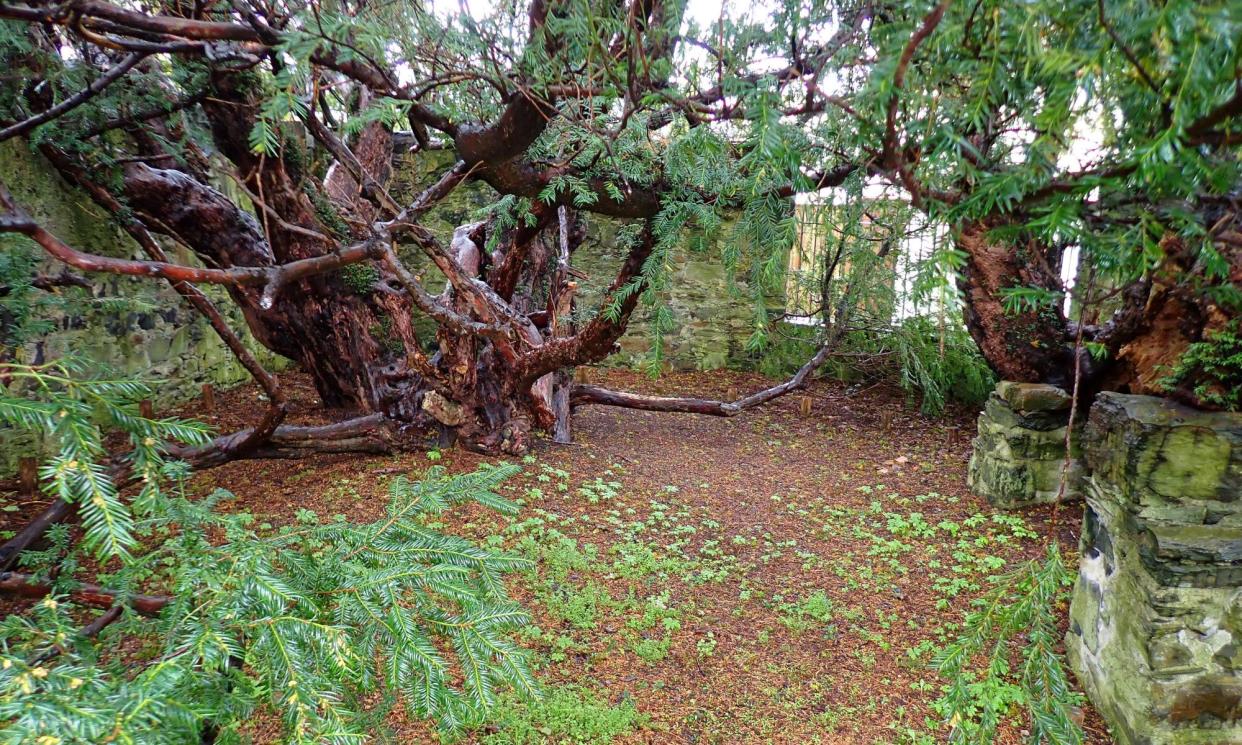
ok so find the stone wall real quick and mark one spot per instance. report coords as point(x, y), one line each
point(1019, 452)
point(1156, 620)
point(712, 316)
point(153, 334)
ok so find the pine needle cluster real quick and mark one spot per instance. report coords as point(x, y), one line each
point(1019, 611)
point(323, 625)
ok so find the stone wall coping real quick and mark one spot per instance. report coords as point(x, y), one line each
point(1164, 412)
point(1033, 396)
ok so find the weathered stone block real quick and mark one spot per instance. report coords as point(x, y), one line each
point(1027, 397)
point(1159, 451)
point(1156, 618)
point(1001, 414)
point(1019, 453)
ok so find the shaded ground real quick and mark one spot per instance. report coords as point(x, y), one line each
point(777, 577)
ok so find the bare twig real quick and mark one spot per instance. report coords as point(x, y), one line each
point(96, 87)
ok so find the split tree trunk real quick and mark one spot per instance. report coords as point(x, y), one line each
point(1028, 345)
point(1150, 325)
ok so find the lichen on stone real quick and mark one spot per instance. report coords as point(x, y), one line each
point(1156, 620)
point(1019, 452)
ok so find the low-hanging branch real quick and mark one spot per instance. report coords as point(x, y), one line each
point(271, 278)
point(277, 405)
point(95, 88)
point(583, 394)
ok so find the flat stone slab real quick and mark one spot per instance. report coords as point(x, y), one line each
point(1033, 396)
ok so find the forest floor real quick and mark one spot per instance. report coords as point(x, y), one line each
point(778, 577)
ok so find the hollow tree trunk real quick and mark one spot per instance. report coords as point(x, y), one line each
point(1178, 305)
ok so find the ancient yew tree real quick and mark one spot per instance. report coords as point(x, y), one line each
point(571, 111)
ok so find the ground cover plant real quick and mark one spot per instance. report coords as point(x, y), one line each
point(688, 583)
point(745, 574)
point(307, 620)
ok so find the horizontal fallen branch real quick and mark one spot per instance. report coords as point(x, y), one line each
point(593, 394)
point(85, 593)
point(364, 434)
point(56, 512)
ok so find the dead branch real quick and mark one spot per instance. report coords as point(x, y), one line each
point(58, 511)
point(85, 593)
point(583, 394)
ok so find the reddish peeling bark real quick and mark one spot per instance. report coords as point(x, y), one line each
point(1167, 314)
point(1027, 346)
point(1155, 319)
point(345, 339)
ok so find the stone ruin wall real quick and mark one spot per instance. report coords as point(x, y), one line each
point(1155, 633)
point(153, 335)
point(1019, 452)
point(1156, 620)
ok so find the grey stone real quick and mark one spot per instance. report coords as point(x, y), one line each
point(1156, 618)
point(1028, 397)
point(1161, 451)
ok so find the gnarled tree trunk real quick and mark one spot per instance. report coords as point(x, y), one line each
point(1153, 322)
point(1028, 345)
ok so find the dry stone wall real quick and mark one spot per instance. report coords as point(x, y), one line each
point(1019, 452)
point(1155, 633)
point(1156, 620)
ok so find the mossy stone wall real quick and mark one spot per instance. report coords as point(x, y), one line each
point(1019, 452)
point(155, 335)
point(1155, 631)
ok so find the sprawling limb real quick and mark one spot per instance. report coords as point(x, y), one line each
point(277, 405)
point(366, 434)
point(95, 88)
point(271, 278)
point(593, 394)
point(85, 593)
